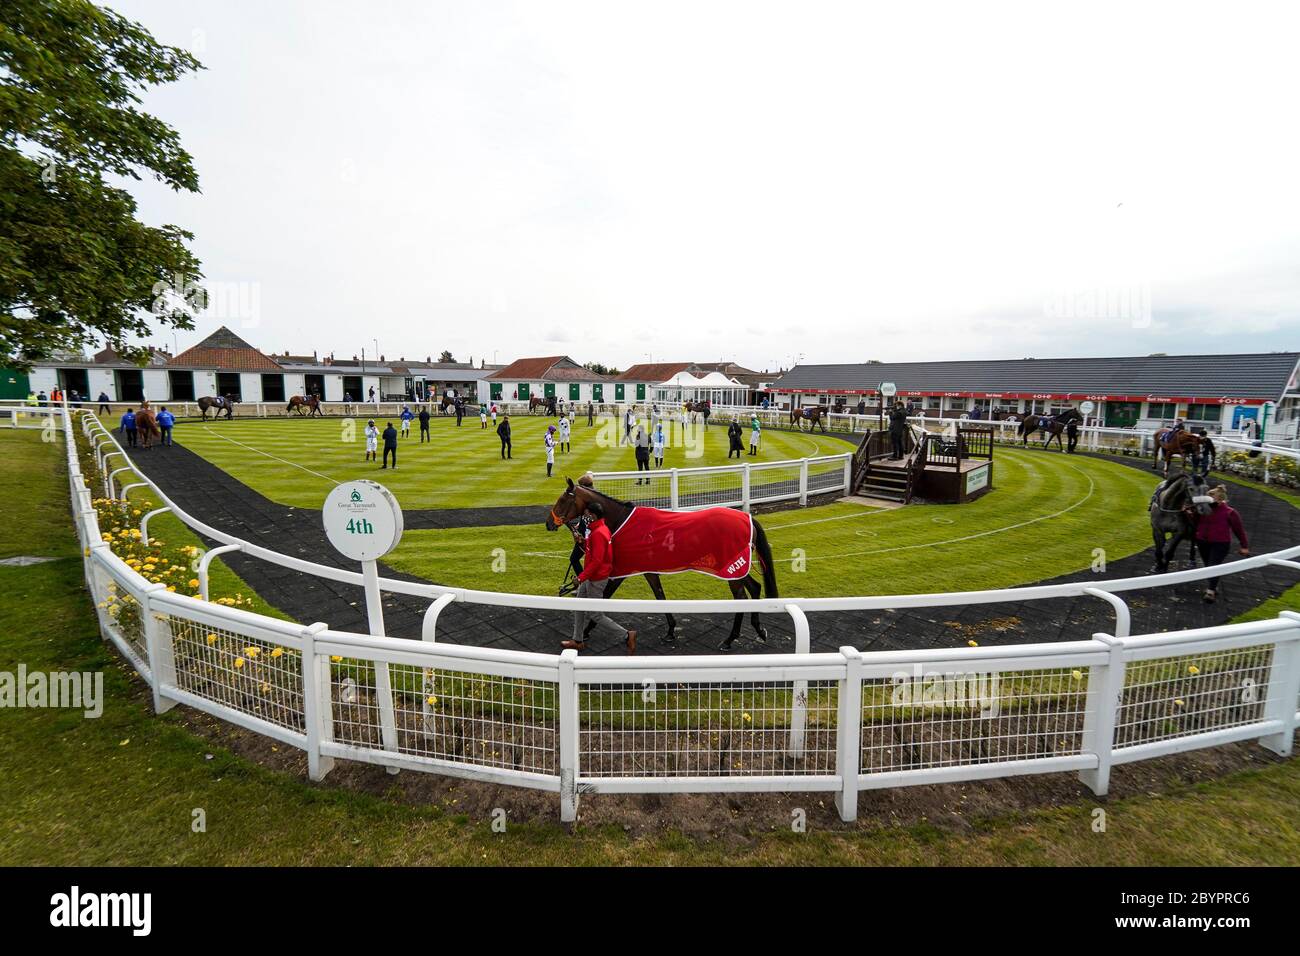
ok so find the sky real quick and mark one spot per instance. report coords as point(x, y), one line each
point(761, 182)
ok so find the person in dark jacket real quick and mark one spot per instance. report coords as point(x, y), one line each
point(591, 414)
point(1072, 434)
point(424, 425)
point(504, 431)
point(1214, 533)
point(103, 404)
point(897, 430)
point(736, 447)
point(390, 446)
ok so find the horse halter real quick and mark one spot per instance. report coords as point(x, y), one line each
point(561, 522)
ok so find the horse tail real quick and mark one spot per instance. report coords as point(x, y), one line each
point(289, 407)
point(764, 551)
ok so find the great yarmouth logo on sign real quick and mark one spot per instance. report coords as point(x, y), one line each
point(362, 520)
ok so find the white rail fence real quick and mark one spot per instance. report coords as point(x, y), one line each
point(741, 486)
point(831, 722)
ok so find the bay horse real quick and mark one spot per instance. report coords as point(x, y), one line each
point(218, 404)
point(309, 402)
point(147, 425)
point(684, 547)
point(1186, 444)
point(813, 416)
point(1174, 507)
point(1054, 425)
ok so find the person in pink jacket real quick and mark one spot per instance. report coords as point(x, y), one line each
point(1214, 533)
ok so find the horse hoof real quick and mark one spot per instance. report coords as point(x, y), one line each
point(762, 636)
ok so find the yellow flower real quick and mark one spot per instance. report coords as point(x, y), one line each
point(171, 587)
point(239, 662)
point(972, 643)
point(212, 639)
point(335, 658)
point(1193, 669)
point(1178, 702)
point(252, 652)
point(1077, 675)
point(745, 717)
point(194, 582)
point(432, 701)
point(277, 652)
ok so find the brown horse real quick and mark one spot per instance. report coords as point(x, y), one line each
point(1183, 443)
point(147, 425)
point(309, 402)
point(814, 416)
point(535, 402)
point(697, 532)
point(218, 404)
point(1054, 425)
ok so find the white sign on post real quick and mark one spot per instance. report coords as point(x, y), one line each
point(362, 520)
point(888, 389)
point(1088, 408)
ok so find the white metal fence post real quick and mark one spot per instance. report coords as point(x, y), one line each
point(317, 703)
point(848, 735)
point(567, 690)
point(803, 481)
point(674, 498)
point(799, 698)
point(1284, 689)
point(162, 658)
point(744, 488)
point(205, 561)
point(848, 474)
point(144, 522)
point(1105, 691)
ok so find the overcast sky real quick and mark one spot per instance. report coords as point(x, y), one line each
point(757, 181)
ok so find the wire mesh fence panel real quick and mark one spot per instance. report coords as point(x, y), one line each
point(252, 675)
point(956, 719)
point(651, 488)
point(484, 720)
point(1169, 697)
point(711, 488)
point(774, 482)
point(825, 475)
point(120, 613)
point(731, 729)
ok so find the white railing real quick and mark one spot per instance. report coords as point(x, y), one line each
point(833, 722)
point(736, 486)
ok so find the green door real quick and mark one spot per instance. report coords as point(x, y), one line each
point(13, 384)
point(494, 391)
point(640, 391)
point(548, 389)
point(597, 392)
point(1122, 414)
point(575, 391)
point(523, 391)
point(618, 391)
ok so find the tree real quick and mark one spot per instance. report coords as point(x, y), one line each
point(75, 262)
point(445, 357)
point(600, 368)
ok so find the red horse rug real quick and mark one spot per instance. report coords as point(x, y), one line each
point(714, 541)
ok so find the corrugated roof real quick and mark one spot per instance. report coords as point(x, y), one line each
point(224, 349)
point(654, 372)
point(1251, 375)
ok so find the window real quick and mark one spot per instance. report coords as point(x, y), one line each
point(352, 388)
point(640, 391)
point(1162, 410)
point(597, 392)
point(1203, 413)
point(575, 391)
point(273, 388)
point(933, 403)
point(548, 389)
point(494, 391)
point(315, 385)
point(957, 404)
point(523, 391)
point(618, 391)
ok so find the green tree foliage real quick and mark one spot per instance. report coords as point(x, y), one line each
point(446, 357)
point(75, 262)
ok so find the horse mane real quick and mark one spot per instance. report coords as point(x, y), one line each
point(601, 494)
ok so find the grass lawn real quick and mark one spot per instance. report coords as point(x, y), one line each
point(297, 461)
point(122, 789)
point(1045, 517)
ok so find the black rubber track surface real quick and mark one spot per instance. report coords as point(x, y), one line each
point(215, 497)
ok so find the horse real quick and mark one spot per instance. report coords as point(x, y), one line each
point(1054, 425)
point(218, 403)
point(147, 425)
point(692, 531)
point(310, 402)
point(1169, 443)
point(1174, 506)
point(813, 416)
point(535, 402)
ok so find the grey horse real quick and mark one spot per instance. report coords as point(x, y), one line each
point(1174, 506)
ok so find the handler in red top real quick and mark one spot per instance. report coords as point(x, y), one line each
point(1214, 533)
point(596, 569)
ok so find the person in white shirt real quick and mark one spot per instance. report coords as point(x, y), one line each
point(494, 414)
point(564, 435)
point(657, 442)
point(550, 449)
point(372, 442)
point(628, 424)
